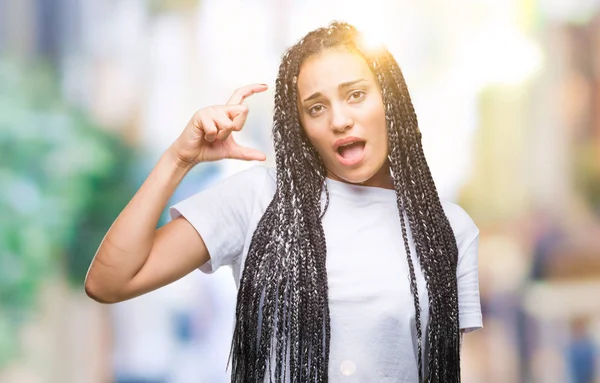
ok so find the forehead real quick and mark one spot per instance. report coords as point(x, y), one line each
point(326, 70)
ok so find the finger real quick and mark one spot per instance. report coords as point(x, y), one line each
point(223, 134)
point(244, 92)
point(239, 152)
point(234, 110)
point(209, 128)
point(224, 116)
point(239, 119)
point(229, 118)
point(246, 154)
point(224, 124)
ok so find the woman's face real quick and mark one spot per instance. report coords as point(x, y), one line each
point(341, 110)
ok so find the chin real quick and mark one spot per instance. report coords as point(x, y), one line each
point(359, 175)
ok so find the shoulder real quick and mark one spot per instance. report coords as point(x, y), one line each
point(253, 186)
point(464, 228)
point(238, 190)
point(254, 173)
point(254, 178)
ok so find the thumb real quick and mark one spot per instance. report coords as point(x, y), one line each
point(244, 153)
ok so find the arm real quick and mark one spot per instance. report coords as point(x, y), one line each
point(135, 258)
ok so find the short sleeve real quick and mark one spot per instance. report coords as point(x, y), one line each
point(466, 233)
point(467, 273)
point(221, 215)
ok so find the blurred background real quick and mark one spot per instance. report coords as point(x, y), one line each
point(93, 91)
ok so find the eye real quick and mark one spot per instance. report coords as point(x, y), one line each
point(357, 95)
point(315, 109)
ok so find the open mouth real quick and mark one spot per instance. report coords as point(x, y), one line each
point(351, 153)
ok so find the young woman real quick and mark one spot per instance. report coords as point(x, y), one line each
point(347, 262)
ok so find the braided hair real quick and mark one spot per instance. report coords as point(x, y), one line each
point(282, 315)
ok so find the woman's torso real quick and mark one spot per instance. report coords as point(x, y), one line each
point(373, 333)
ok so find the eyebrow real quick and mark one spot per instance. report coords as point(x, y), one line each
point(341, 86)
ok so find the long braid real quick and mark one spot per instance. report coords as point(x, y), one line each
point(434, 240)
point(282, 314)
point(406, 182)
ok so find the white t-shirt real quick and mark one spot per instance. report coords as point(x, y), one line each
point(373, 335)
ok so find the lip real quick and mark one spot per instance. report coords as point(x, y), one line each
point(346, 141)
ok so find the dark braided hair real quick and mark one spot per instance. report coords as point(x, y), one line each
point(282, 314)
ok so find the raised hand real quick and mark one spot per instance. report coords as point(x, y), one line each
point(207, 137)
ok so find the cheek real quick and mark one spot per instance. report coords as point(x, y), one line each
point(313, 131)
point(378, 118)
point(374, 111)
point(315, 136)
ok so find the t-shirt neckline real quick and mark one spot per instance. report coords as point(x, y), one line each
point(359, 193)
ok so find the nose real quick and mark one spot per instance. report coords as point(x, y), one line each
point(341, 120)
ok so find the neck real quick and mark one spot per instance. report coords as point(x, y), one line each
point(381, 179)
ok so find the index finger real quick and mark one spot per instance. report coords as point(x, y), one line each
point(242, 93)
